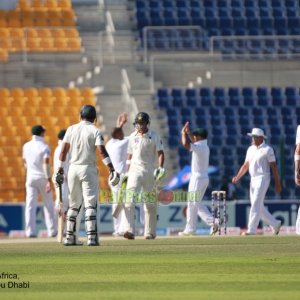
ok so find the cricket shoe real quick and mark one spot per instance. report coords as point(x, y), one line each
point(150, 237)
point(248, 233)
point(92, 242)
point(276, 228)
point(128, 235)
point(186, 233)
point(214, 229)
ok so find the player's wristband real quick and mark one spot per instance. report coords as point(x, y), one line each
point(296, 157)
point(106, 160)
point(60, 164)
point(128, 162)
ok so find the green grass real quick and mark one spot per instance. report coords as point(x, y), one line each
point(180, 268)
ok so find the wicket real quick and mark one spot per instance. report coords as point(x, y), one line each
point(219, 196)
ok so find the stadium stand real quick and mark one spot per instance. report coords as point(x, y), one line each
point(21, 109)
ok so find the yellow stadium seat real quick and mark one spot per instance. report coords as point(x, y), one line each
point(66, 4)
point(16, 32)
point(74, 44)
point(13, 18)
point(73, 92)
point(44, 33)
point(31, 33)
point(34, 101)
point(71, 32)
point(45, 92)
point(68, 18)
point(17, 44)
point(5, 43)
point(60, 44)
point(16, 92)
point(87, 92)
point(4, 92)
point(3, 55)
point(59, 92)
point(40, 18)
point(37, 4)
point(4, 32)
point(31, 92)
point(58, 33)
point(61, 101)
point(6, 101)
point(20, 101)
point(30, 111)
point(23, 4)
point(3, 23)
point(52, 4)
point(54, 18)
point(27, 18)
point(33, 44)
point(46, 44)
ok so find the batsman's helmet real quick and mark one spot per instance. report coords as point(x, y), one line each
point(142, 117)
point(88, 112)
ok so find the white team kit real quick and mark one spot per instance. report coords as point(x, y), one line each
point(83, 175)
point(34, 153)
point(259, 159)
point(117, 150)
point(143, 148)
point(197, 186)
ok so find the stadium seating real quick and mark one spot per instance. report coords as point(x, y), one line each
point(21, 109)
point(229, 114)
point(222, 19)
point(39, 26)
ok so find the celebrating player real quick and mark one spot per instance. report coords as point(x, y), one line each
point(196, 142)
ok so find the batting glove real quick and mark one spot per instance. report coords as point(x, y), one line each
point(159, 173)
point(59, 176)
point(114, 178)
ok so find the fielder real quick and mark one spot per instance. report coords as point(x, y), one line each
point(65, 188)
point(197, 144)
point(145, 146)
point(117, 150)
point(36, 157)
point(297, 173)
point(82, 140)
point(260, 158)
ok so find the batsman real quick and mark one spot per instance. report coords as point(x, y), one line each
point(144, 149)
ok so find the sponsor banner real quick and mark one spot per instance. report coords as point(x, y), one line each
point(171, 217)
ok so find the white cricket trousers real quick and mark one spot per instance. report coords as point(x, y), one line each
point(84, 190)
point(140, 188)
point(298, 222)
point(258, 189)
point(197, 188)
point(34, 187)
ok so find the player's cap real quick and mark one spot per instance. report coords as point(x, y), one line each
point(61, 134)
point(200, 132)
point(257, 132)
point(88, 112)
point(37, 130)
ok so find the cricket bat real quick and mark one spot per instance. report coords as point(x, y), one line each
point(61, 217)
point(120, 199)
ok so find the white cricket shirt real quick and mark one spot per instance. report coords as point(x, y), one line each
point(56, 160)
point(117, 150)
point(200, 158)
point(83, 138)
point(143, 149)
point(34, 153)
point(259, 159)
point(298, 135)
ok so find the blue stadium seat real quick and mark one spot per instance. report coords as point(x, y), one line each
point(292, 96)
point(248, 96)
point(234, 96)
point(206, 96)
point(262, 96)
